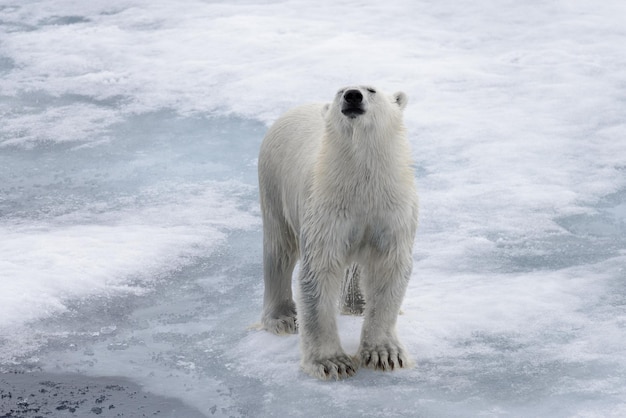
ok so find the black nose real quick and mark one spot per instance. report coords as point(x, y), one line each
point(353, 97)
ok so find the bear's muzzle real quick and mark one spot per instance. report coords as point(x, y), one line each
point(352, 105)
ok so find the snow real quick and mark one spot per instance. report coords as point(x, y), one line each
point(130, 229)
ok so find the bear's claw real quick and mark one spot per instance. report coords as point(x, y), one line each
point(385, 357)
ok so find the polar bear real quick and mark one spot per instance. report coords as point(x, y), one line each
point(337, 189)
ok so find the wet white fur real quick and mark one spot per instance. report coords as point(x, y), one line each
point(335, 191)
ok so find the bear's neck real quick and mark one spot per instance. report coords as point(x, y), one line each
point(364, 163)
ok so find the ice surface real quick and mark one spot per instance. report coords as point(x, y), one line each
point(129, 223)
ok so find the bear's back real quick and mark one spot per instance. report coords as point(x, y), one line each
point(286, 159)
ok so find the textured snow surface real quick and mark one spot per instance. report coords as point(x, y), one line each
point(130, 235)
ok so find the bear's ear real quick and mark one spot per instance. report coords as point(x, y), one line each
point(401, 99)
point(325, 109)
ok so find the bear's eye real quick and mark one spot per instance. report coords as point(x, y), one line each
point(371, 90)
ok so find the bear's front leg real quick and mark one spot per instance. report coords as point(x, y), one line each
point(384, 287)
point(322, 355)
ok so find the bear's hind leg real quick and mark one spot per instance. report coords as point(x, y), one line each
point(279, 259)
point(351, 300)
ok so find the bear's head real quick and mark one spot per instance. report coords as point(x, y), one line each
point(365, 106)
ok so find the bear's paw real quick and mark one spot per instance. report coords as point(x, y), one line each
point(337, 367)
point(284, 324)
point(387, 356)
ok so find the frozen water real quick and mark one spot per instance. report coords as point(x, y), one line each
point(108, 216)
point(129, 223)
